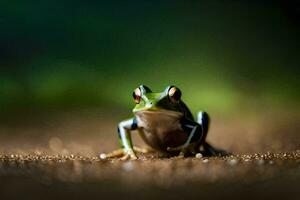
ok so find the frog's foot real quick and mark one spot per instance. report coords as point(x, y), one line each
point(211, 151)
point(114, 154)
point(142, 150)
point(125, 155)
point(183, 151)
point(129, 155)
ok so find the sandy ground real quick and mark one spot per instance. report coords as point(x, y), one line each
point(54, 155)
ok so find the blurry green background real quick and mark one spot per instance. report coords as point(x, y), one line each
point(223, 55)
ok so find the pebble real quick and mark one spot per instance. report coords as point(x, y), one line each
point(102, 156)
point(198, 155)
point(205, 161)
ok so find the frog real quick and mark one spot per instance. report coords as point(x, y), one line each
point(166, 125)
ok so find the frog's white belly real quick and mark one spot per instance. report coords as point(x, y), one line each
point(161, 129)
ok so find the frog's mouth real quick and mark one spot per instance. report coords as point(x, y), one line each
point(160, 112)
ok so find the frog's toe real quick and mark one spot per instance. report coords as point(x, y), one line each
point(183, 153)
point(114, 154)
point(133, 157)
point(125, 157)
point(180, 156)
point(128, 157)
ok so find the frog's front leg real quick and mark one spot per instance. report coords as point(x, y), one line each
point(125, 141)
point(127, 149)
point(195, 135)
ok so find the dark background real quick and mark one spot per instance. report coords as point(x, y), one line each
point(224, 55)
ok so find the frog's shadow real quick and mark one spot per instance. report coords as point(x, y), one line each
point(203, 153)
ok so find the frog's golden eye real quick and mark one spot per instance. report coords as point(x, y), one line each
point(137, 95)
point(174, 94)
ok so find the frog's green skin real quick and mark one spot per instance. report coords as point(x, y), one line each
point(165, 123)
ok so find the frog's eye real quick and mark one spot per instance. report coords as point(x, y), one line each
point(174, 94)
point(137, 95)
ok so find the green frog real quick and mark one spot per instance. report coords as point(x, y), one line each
point(165, 124)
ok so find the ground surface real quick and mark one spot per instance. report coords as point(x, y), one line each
point(55, 156)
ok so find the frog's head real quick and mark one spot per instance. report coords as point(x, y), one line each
point(145, 99)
